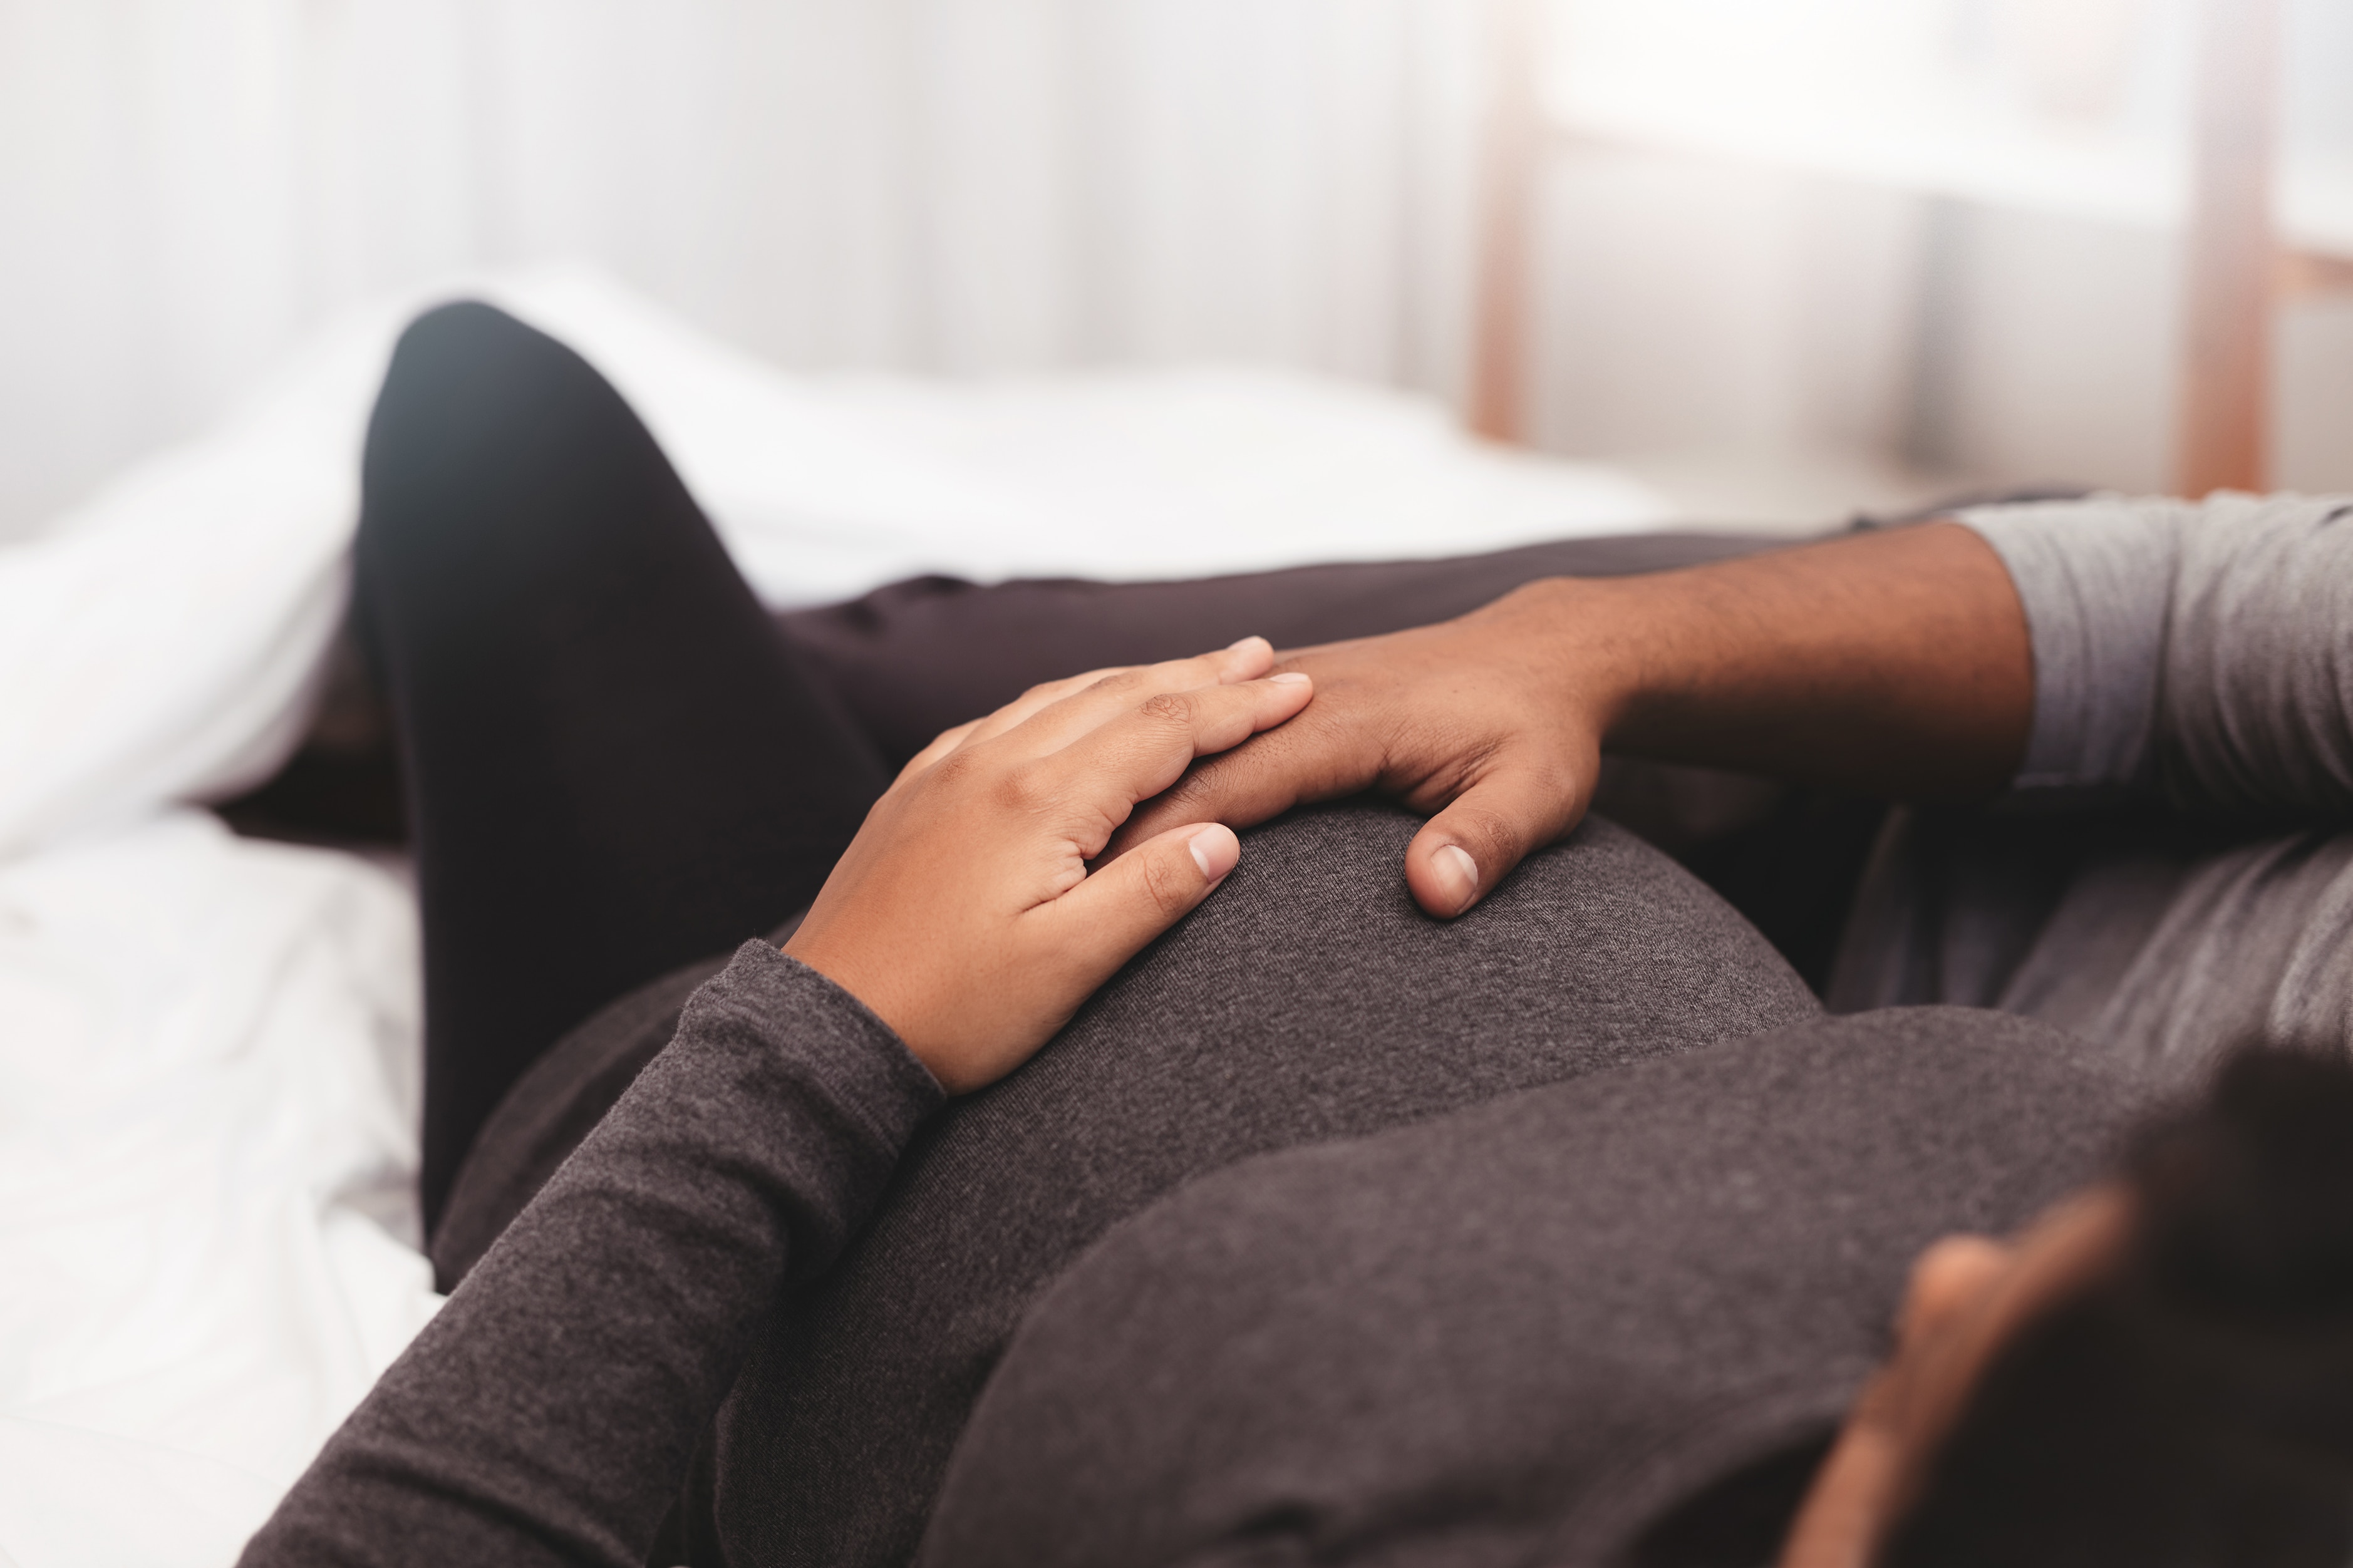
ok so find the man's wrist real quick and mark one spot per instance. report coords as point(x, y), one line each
point(1896, 662)
point(1602, 650)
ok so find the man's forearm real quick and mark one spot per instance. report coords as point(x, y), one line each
point(1894, 663)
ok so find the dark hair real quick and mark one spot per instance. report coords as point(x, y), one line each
point(2193, 1406)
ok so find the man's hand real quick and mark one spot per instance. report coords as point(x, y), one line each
point(964, 914)
point(1894, 663)
point(1493, 723)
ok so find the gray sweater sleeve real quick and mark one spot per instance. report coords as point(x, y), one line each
point(2202, 648)
point(548, 1414)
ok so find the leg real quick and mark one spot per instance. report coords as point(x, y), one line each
point(1307, 1001)
point(615, 764)
point(916, 658)
point(912, 658)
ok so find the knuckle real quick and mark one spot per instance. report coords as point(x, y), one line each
point(1526, 776)
point(1195, 785)
point(1024, 790)
point(1491, 844)
point(1165, 886)
point(1173, 708)
point(954, 767)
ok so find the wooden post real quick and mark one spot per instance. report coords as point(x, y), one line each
point(1508, 173)
point(2233, 253)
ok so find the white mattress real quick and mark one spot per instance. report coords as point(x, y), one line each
point(208, 1059)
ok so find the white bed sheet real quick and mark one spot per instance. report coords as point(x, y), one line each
point(209, 1046)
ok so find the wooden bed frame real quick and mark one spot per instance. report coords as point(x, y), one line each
point(2236, 270)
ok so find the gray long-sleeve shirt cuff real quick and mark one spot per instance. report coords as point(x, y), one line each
point(2202, 649)
point(549, 1413)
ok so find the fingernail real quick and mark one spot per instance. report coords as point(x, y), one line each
point(1288, 678)
point(1215, 851)
point(1240, 643)
point(1458, 874)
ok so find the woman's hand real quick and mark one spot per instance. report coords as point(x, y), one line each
point(963, 913)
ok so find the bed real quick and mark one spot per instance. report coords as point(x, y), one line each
point(208, 1043)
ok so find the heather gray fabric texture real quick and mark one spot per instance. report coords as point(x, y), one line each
point(1521, 1333)
point(546, 1413)
point(1308, 1000)
point(2175, 871)
point(2202, 647)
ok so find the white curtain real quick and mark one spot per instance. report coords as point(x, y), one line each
point(187, 187)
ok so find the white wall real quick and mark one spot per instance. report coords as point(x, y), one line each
point(1687, 303)
point(2050, 348)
